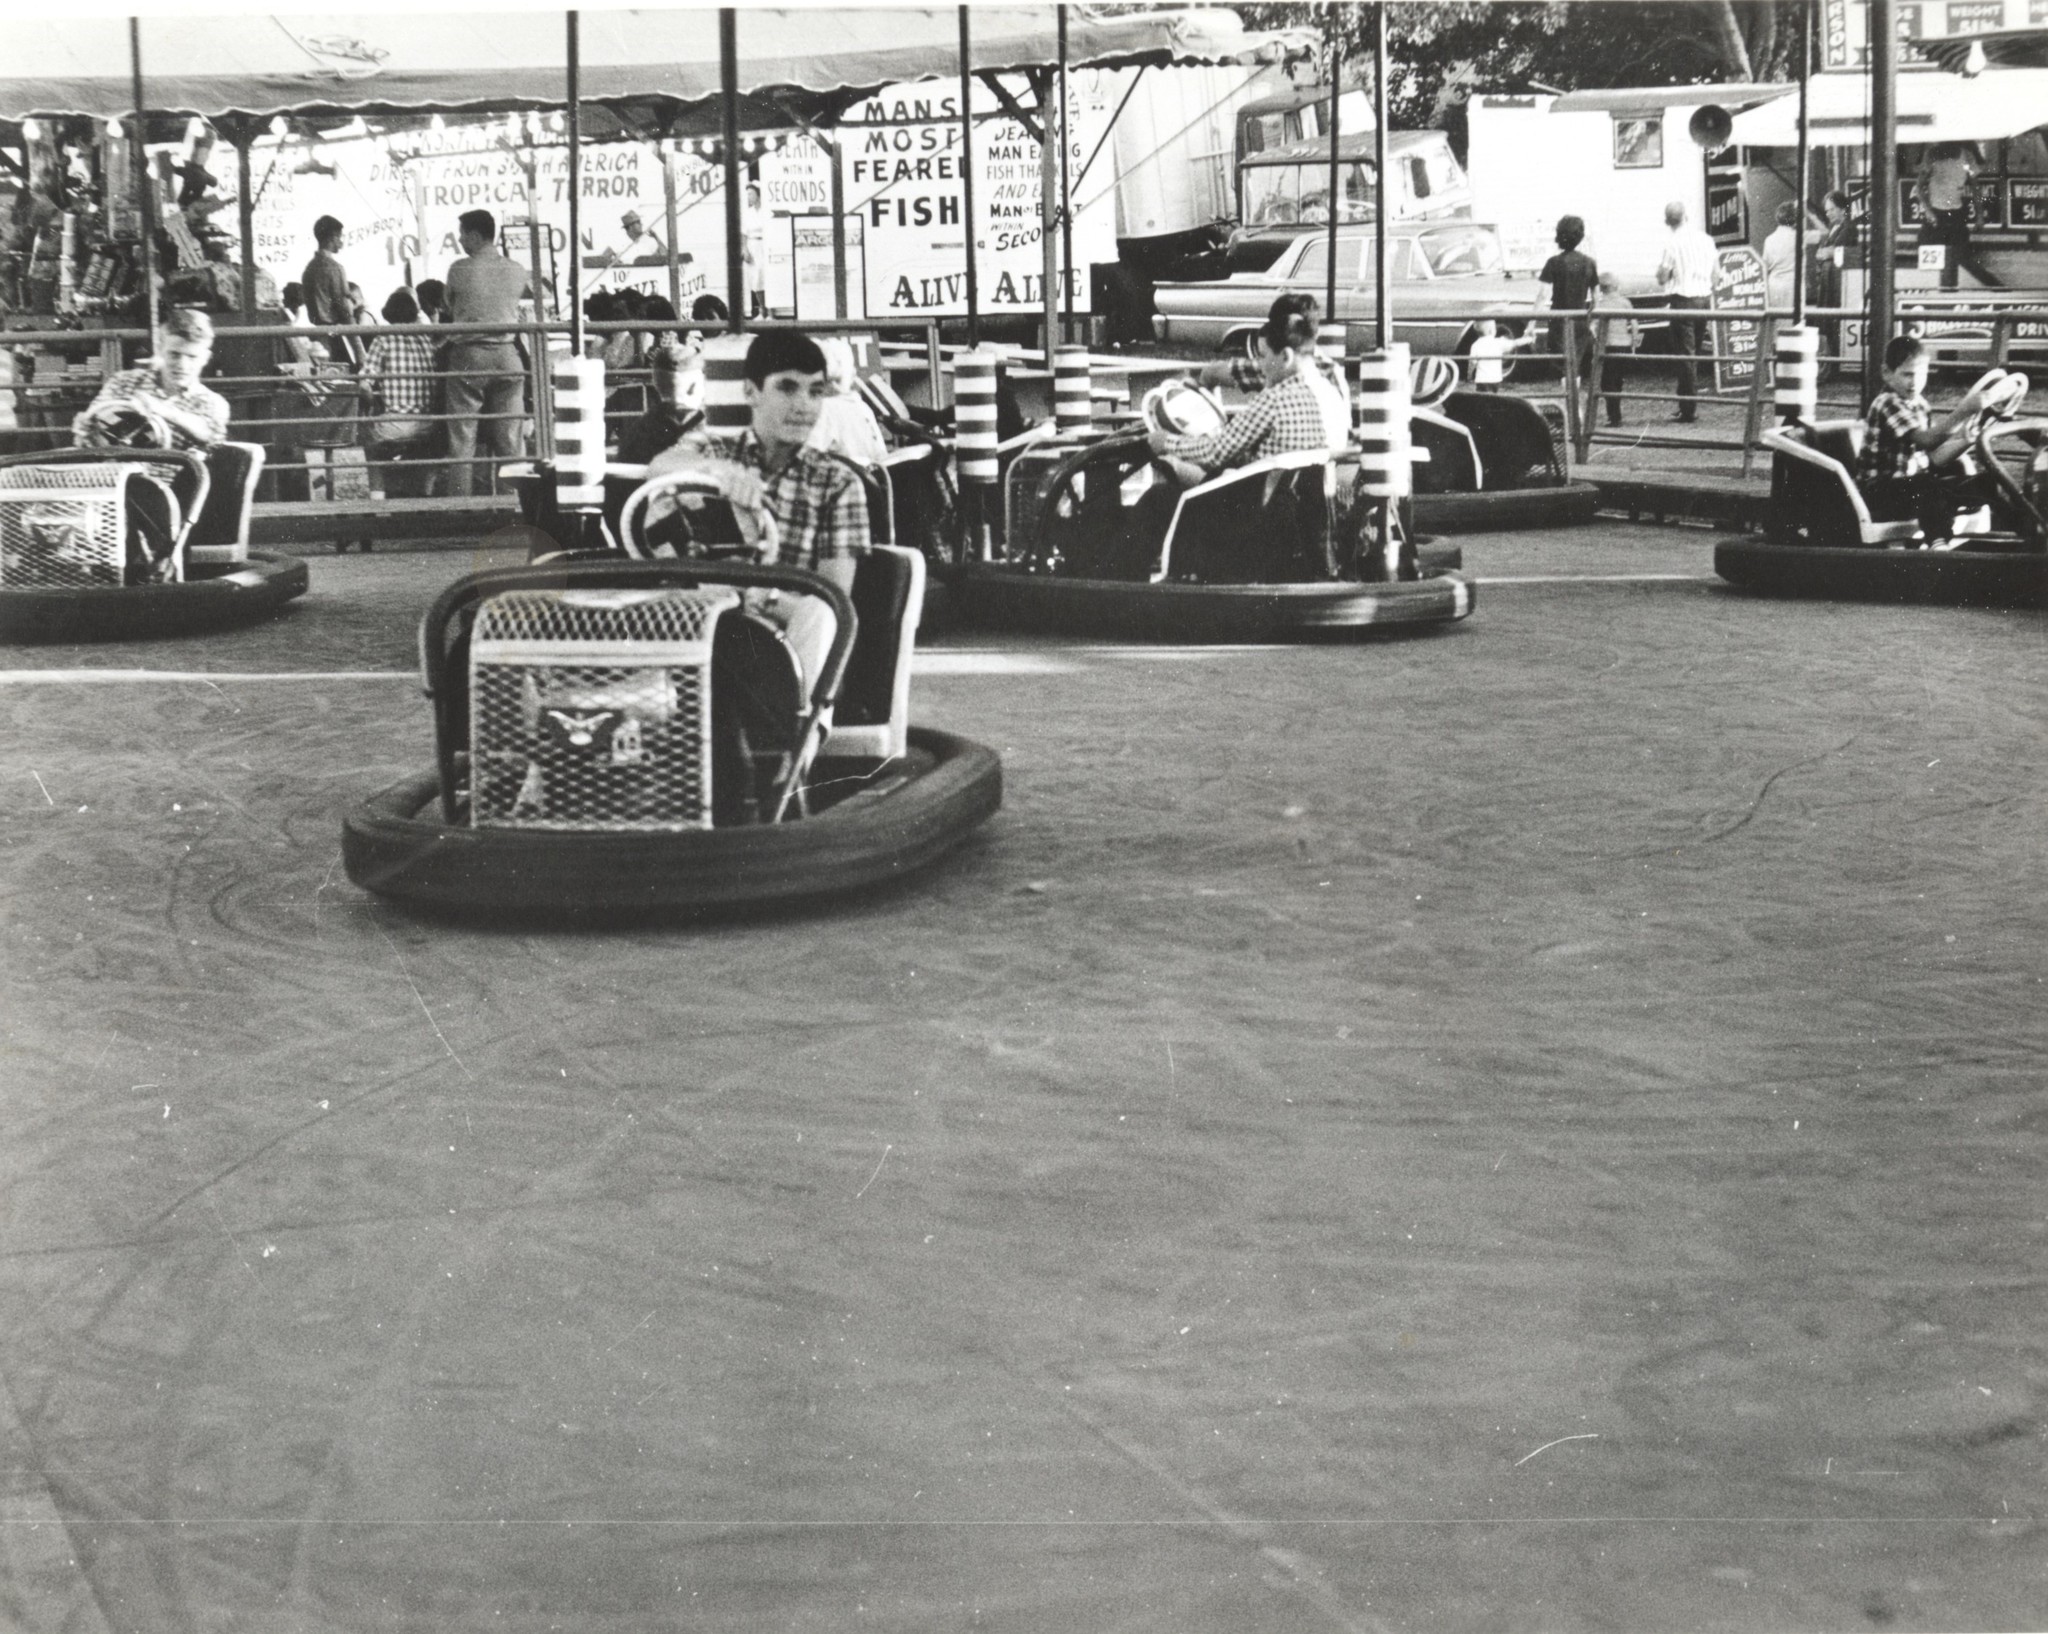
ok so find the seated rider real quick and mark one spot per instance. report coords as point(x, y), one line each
point(819, 506)
point(1912, 464)
point(165, 389)
point(1299, 404)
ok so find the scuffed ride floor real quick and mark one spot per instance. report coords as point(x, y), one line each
point(1537, 1127)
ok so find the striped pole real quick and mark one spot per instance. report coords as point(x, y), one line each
point(1385, 468)
point(725, 385)
point(1073, 390)
point(974, 415)
point(1330, 340)
point(1796, 357)
point(1384, 446)
point(578, 384)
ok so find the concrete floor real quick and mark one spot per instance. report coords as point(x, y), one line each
point(1534, 1127)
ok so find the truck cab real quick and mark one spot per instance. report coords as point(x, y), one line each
point(1284, 191)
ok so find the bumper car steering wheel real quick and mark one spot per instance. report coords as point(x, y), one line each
point(700, 507)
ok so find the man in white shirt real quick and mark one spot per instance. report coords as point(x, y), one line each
point(638, 245)
point(1686, 274)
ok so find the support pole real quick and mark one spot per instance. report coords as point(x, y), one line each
point(967, 180)
point(1382, 292)
point(839, 298)
point(668, 211)
point(1066, 194)
point(1053, 138)
point(245, 212)
point(145, 190)
point(1805, 164)
point(575, 194)
point(729, 85)
point(1330, 269)
point(1884, 190)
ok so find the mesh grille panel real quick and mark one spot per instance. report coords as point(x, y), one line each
point(61, 525)
point(591, 709)
point(1560, 445)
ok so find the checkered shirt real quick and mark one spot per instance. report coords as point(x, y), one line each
point(1889, 452)
point(400, 369)
point(127, 388)
point(1245, 375)
point(1283, 419)
point(819, 506)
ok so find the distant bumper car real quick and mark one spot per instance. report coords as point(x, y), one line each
point(1821, 539)
point(1102, 541)
point(1495, 462)
point(119, 543)
point(641, 738)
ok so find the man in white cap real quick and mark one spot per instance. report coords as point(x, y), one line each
point(638, 245)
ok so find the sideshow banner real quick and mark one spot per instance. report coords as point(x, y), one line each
point(903, 178)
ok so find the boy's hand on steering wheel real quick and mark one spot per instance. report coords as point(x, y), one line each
point(1157, 441)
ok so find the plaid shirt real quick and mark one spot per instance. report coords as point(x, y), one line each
point(1289, 418)
point(130, 385)
point(1247, 377)
point(819, 506)
point(1889, 452)
point(400, 369)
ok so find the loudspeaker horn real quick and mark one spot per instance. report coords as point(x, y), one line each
point(1711, 126)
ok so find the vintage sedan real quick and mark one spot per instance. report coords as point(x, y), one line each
point(1442, 273)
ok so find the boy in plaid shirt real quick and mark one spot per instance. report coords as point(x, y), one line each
point(1912, 465)
point(1300, 408)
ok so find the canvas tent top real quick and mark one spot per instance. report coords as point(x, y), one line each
point(1650, 98)
point(2010, 48)
point(1931, 108)
point(812, 63)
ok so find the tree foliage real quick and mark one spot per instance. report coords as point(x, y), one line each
point(1439, 53)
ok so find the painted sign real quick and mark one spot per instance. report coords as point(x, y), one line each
point(1845, 25)
point(1738, 285)
point(900, 154)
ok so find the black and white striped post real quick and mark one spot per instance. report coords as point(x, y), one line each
point(1073, 390)
point(1795, 360)
point(1385, 450)
point(974, 442)
point(725, 385)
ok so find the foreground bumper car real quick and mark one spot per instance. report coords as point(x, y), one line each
point(1822, 541)
point(641, 738)
point(1495, 462)
point(1102, 542)
point(124, 544)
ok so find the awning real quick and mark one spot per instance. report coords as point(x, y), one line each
point(1652, 98)
point(814, 61)
point(1931, 108)
point(2010, 48)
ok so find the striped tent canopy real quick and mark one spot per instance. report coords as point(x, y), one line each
point(1972, 53)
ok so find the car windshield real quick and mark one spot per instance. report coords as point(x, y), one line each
point(1459, 252)
point(1281, 195)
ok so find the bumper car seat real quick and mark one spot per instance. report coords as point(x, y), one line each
point(1814, 497)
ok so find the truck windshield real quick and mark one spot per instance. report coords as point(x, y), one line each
point(1456, 252)
point(1281, 195)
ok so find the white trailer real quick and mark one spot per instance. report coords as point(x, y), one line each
point(1613, 158)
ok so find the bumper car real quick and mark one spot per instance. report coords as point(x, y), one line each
point(649, 738)
point(1821, 539)
point(1102, 541)
point(129, 543)
point(1495, 462)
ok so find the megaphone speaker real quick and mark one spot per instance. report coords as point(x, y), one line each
point(1711, 126)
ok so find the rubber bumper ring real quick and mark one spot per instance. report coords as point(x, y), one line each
point(213, 598)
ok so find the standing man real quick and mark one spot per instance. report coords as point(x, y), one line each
point(1686, 273)
point(754, 233)
point(486, 373)
point(1944, 192)
point(325, 283)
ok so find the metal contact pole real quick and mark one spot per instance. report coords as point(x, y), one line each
point(144, 194)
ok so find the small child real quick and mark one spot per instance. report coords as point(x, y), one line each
point(1489, 354)
point(1911, 464)
point(1618, 335)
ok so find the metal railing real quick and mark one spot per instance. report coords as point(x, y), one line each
point(310, 403)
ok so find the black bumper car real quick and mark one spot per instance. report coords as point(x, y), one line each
point(126, 544)
point(643, 739)
point(1495, 463)
point(1102, 542)
point(1821, 539)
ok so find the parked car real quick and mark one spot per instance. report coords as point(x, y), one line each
point(1443, 274)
